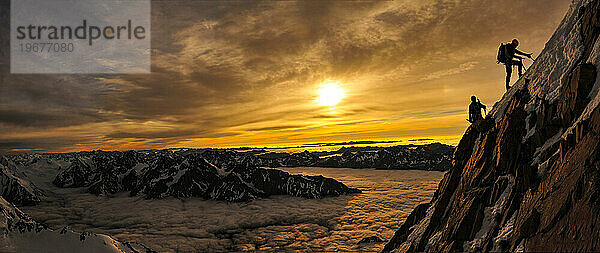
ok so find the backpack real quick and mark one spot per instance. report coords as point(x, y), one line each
point(501, 58)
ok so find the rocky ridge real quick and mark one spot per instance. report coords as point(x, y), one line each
point(13, 188)
point(530, 181)
point(183, 174)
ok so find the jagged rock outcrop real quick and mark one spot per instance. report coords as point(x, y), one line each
point(165, 173)
point(76, 175)
point(277, 182)
point(531, 181)
point(12, 219)
point(15, 189)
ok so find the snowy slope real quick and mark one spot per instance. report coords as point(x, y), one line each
point(19, 233)
point(13, 188)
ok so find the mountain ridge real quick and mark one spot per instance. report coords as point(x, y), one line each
point(529, 182)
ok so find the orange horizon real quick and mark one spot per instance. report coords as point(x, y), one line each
point(312, 72)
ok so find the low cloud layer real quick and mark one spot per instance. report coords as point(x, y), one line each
point(233, 73)
point(279, 223)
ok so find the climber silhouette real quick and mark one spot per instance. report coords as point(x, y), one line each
point(507, 53)
point(475, 110)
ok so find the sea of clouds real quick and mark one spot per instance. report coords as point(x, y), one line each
point(276, 223)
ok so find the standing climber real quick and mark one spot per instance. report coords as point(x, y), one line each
point(475, 110)
point(507, 53)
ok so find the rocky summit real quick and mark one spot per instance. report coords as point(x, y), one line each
point(531, 180)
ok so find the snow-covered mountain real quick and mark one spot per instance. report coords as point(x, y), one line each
point(433, 156)
point(528, 180)
point(155, 174)
point(19, 233)
point(15, 189)
point(213, 173)
point(165, 173)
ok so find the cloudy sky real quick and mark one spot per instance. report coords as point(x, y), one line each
point(241, 73)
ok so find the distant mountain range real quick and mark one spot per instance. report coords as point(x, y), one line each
point(219, 174)
point(433, 157)
point(185, 174)
point(155, 174)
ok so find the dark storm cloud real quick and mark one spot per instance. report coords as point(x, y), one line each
point(223, 68)
point(17, 117)
point(47, 144)
point(51, 101)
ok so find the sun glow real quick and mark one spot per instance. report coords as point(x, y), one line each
point(330, 94)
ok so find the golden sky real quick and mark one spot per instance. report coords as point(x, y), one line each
point(280, 73)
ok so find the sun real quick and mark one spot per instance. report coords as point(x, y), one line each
point(330, 94)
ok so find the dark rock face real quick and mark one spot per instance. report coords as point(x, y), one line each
point(15, 189)
point(277, 182)
point(12, 219)
point(164, 173)
point(402, 233)
point(563, 212)
point(76, 175)
point(574, 96)
point(531, 181)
